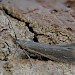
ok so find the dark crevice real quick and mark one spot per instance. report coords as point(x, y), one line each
point(35, 39)
point(30, 28)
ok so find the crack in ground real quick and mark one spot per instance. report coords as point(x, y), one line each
point(35, 39)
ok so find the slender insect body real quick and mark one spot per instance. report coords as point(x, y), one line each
point(53, 52)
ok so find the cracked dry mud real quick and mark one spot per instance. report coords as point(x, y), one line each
point(47, 21)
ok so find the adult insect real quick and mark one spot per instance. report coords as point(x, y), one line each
point(62, 53)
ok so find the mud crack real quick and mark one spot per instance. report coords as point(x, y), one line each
point(35, 39)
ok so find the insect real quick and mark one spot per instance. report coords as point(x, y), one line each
point(54, 52)
point(58, 53)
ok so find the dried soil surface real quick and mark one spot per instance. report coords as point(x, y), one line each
point(46, 21)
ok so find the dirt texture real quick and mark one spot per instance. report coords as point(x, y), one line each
point(46, 21)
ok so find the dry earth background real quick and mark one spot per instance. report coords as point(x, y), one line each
point(46, 21)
